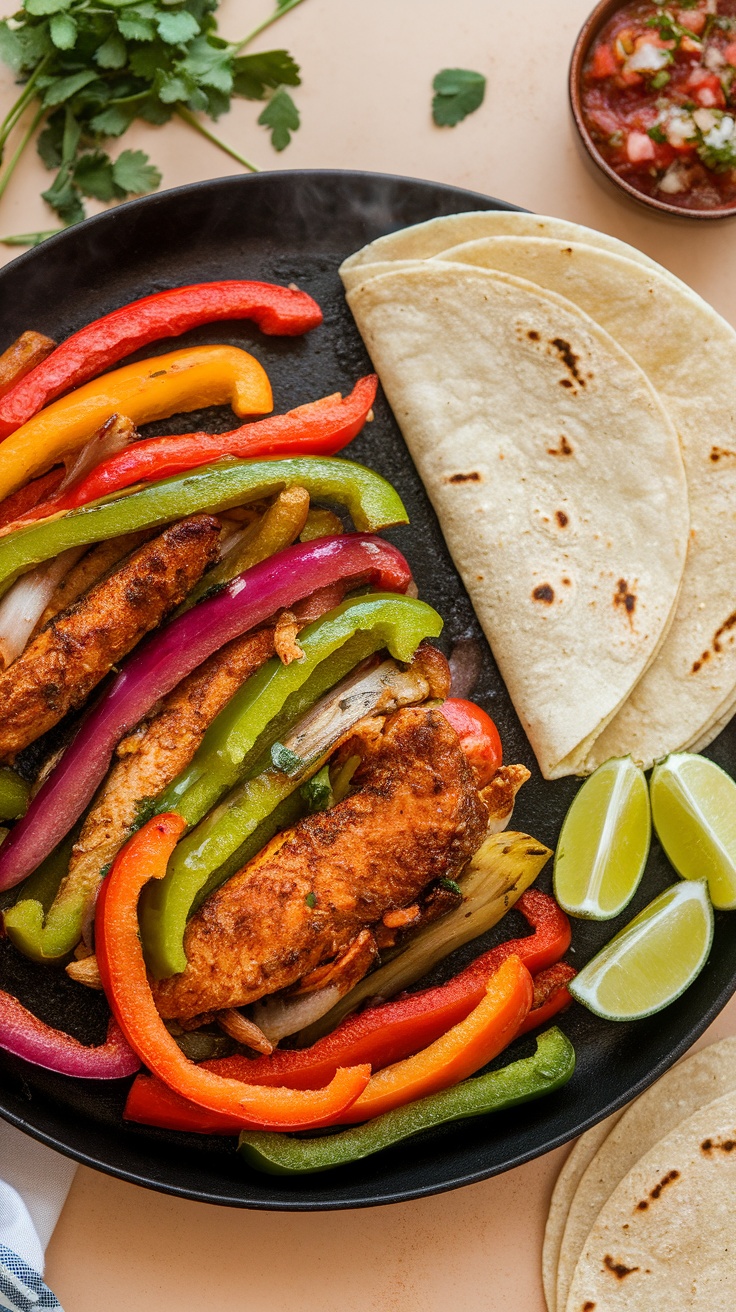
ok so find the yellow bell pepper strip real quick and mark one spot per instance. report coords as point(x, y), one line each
point(371, 501)
point(150, 389)
point(238, 742)
point(460, 1052)
point(124, 977)
point(547, 1070)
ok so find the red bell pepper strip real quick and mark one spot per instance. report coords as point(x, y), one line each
point(321, 428)
point(479, 737)
point(278, 311)
point(551, 995)
point(386, 1034)
point(26, 1036)
point(123, 973)
point(32, 501)
point(455, 1055)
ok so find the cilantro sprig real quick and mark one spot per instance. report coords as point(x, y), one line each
point(457, 93)
point(89, 68)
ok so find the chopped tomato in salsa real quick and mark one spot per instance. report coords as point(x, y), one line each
point(659, 99)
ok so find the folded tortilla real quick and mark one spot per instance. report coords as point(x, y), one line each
point(557, 478)
point(689, 354)
point(664, 1238)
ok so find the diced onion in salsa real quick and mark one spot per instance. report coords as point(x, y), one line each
point(659, 99)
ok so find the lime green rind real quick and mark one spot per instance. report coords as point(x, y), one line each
point(694, 811)
point(604, 843)
point(550, 1067)
point(629, 958)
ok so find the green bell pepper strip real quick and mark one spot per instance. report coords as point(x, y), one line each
point(547, 1070)
point(253, 719)
point(371, 501)
point(14, 794)
point(236, 742)
point(24, 922)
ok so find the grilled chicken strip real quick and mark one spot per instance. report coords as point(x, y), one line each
point(62, 665)
point(416, 816)
point(95, 565)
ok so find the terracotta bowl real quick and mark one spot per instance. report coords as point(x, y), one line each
point(587, 35)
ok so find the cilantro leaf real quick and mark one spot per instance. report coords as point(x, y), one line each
point(458, 92)
point(113, 53)
point(64, 198)
point(62, 89)
point(210, 62)
point(112, 121)
point(282, 117)
point(49, 144)
point(40, 8)
point(11, 47)
point(134, 174)
point(94, 176)
point(255, 74)
point(176, 29)
point(63, 31)
point(134, 26)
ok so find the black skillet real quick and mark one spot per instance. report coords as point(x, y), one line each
point(297, 227)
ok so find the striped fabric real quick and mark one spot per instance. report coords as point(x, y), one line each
point(21, 1288)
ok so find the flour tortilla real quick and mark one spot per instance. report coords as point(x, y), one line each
point(548, 457)
point(665, 1237)
point(423, 240)
point(689, 354)
point(566, 1184)
point(692, 1084)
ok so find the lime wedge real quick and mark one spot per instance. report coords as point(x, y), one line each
point(694, 811)
point(653, 959)
point(604, 842)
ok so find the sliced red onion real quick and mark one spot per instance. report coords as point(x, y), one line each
point(167, 657)
point(22, 607)
point(26, 1036)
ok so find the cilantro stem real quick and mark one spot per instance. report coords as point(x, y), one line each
point(26, 95)
point(273, 18)
point(29, 238)
point(188, 117)
point(12, 162)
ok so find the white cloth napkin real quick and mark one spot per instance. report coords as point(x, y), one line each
point(34, 1183)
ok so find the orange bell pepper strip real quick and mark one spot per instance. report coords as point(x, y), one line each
point(459, 1053)
point(123, 973)
point(150, 389)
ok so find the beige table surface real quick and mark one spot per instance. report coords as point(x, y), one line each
point(367, 68)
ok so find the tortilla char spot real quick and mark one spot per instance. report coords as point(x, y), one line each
point(564, 449)
point(696, 665)
point(624, 598)
point(706, 1146)
point(567, 250)
point(720, 453)
point(567, 582)
point(658, 1189)
point(533, 335)
point(588, 1306)
point(725, 628)
point(472, 477)
point(618, 1269)
point(565, 382)
point(562, 518)
point(543, 592)
point(569, 358)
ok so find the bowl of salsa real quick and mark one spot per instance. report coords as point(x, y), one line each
point(653, 94)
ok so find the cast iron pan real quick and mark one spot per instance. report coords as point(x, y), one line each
point(297, 227)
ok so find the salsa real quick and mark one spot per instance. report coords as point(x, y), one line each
point(659, 99)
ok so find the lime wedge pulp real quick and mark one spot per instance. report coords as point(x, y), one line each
point(694, 812)
point(653, 959)
point(604, 842)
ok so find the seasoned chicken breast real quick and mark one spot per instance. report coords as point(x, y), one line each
point(416, 816)
point(60, 667)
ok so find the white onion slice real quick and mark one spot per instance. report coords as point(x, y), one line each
point(116, 433)
point(277, 1016)
point(22, 607)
